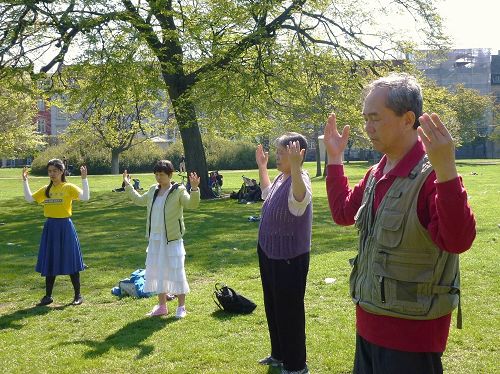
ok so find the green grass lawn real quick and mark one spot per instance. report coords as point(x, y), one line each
point(111, 335)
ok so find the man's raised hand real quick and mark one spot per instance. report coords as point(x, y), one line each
point(335, 143)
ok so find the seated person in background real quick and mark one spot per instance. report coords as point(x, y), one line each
point(136, 185)
point(121, 189)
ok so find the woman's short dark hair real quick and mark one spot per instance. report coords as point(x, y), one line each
point(59, 165)
point(288, 137)
point(164, 165)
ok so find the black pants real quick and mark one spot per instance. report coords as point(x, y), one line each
point(373, 359)
point(284, 286)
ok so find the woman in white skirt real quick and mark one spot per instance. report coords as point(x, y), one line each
point(165, 203)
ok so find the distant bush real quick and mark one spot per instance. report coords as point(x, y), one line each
point(173, 153)
point(140, 158)
point(221, 154)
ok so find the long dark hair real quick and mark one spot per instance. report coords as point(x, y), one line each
point(60, 165)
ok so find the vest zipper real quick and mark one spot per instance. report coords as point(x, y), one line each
point(364, 266)
point(382, 288)
point(165, 213)
point(155, 195)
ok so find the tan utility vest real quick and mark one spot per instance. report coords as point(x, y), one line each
point(399, 271)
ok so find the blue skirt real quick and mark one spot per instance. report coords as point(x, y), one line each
point(59, 251)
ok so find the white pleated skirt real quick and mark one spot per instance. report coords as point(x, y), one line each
point(165, 266)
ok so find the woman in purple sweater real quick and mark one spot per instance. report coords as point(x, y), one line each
point(283, 249)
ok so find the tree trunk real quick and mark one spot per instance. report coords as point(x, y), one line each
point(326, 164)
point(185, 115)
point(318, 151)
point(194, 151)
point(115, 161)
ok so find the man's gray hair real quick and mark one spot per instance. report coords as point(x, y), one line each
point(404, 94)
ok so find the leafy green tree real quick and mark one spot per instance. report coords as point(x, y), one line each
point(116, 104)
point(473, 111)
point(192, 39)
point(465, 111)
point(18, 128)
point(298, 97)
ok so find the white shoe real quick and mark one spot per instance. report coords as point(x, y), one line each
point(180, 312)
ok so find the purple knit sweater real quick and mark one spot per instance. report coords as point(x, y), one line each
point(281, 234)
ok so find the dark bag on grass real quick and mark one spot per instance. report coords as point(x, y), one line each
point(227, 299)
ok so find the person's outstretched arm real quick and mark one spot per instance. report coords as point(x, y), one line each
point(262, 158)
point(28, 196)
point(344, 202)
point(451, 223)
point(137, 198)
point(85, 194)
point(296, 155)
point(192, 200)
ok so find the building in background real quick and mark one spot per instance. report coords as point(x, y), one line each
point(475, 68)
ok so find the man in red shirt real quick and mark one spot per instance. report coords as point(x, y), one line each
point(413, 217)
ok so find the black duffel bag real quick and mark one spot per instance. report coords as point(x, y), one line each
point(228, 300)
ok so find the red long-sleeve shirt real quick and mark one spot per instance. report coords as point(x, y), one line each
point(442, 208)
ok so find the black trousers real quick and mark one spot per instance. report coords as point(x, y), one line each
point(373, 359)
point(284, 287)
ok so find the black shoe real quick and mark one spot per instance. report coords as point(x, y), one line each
point(78, 300)
point(271, 361)
point(46, 300)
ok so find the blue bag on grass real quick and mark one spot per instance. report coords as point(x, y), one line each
point(133, 286)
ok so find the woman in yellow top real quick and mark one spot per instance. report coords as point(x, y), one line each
point(59, 251)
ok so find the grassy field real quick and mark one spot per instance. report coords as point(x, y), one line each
point(111, 335)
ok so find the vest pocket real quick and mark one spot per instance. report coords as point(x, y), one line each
point(397, 281)
point(389, 231)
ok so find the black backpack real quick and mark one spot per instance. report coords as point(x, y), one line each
point(228, 300)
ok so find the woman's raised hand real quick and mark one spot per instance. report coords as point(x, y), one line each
point(261, 157)
point(126, 177)
point(83, 171)
point(25, 173)
point(194, 179)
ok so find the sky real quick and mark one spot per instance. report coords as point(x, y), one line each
point(472, 23)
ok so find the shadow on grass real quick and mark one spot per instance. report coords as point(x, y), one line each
point(130, 336)
point(225, 316)
point(11, 321)
point(273, 370)
point(111, 232)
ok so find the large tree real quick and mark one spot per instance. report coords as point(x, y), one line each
point(191, 39)
point(18, 127)
point(116, 103)
point(464, 110)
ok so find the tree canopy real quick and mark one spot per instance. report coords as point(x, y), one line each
point(191, 40)
point(115, 104)
point(18, 129)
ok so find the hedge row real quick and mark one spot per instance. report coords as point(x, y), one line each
point(221, 154)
